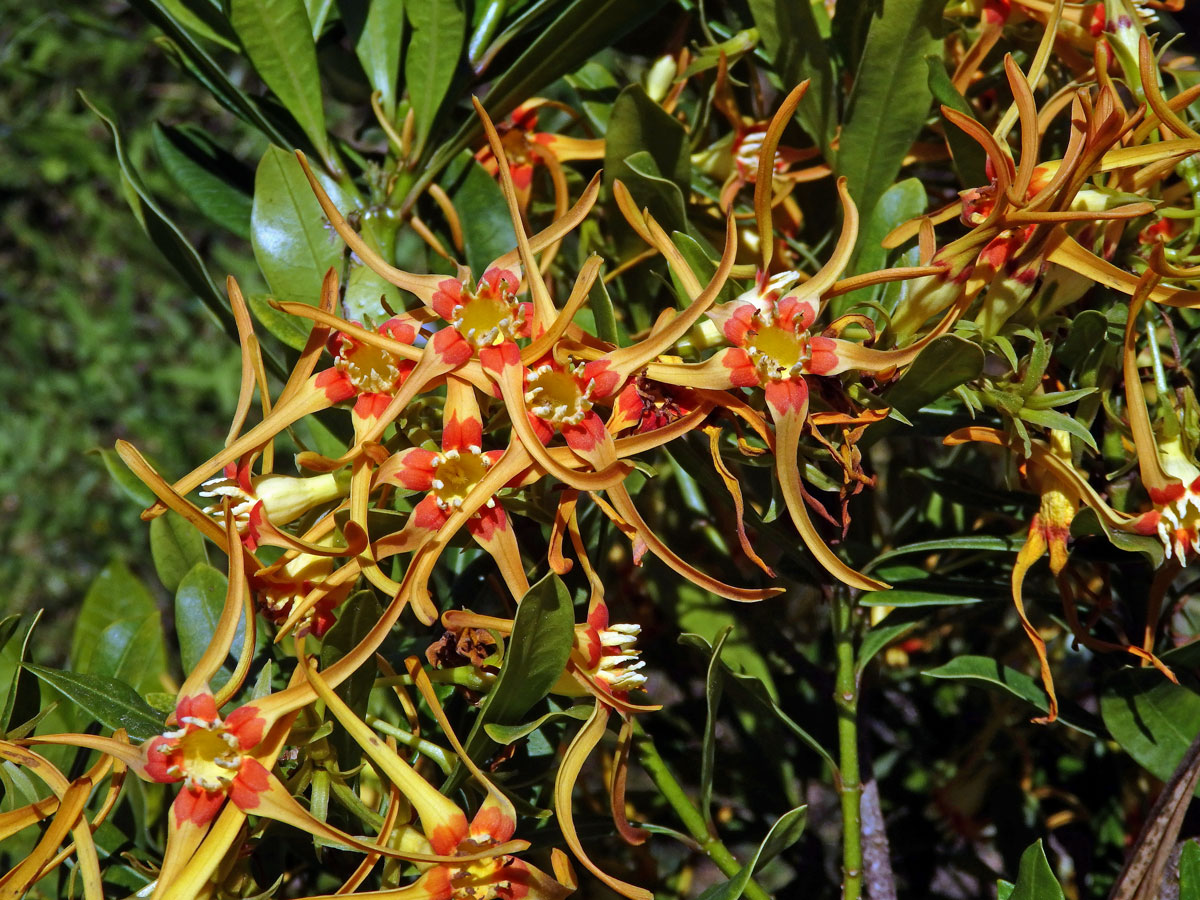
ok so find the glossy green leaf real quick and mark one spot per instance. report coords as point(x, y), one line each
point(535, 656)
point(789, 33)
point(219, 185)
point(968, 157)
point(1153, 719)
point(487, 231)
point(991, 673)
point(898, 204)
point(112, 703)
point(647, 149)
point(787, 829)
point(292, 243)
point(132, 651)
point(900, 597)
point(292, 331)
point(277, 37)
point(507, 734)
point(358, 615)
point(198, 604)
point(439, 30)
point(175, 546)
point(376, 28)
point(115, 594)
point(890, 99)
point(1035, 880)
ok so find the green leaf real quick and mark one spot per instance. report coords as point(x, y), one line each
point(1049, 418)
point(132, 651)
point(882, 635)
point(377, 29)
point(647, 149)
point(439, 29)
point(603, 313)
point(714, 684)
point(789, 33)
point(787, 829)
point(130, 484)
point(175, 546)
point(507, 734)
point(898, 204)
point(1189, 871)
point(899, 597)
point(114, 594)
point(358, 615)
point(968, 157)
point(1153, 719)
point(487, 231)
point(112, 703)
point(162, 231)
point(277, 37)
point(215, 181)
point(21, 697)
point(967, 542)
point(989, 672)
point(292, 243)
point(198, 604)
point(581, 30)
point(756, 690)
point(942, 366)
point(292, 331)
point(211, 74)
point(890, 98)
point(1035, 880)
point(203, 19)
point(534, 658)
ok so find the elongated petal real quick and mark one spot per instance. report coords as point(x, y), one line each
point(512, 388)
point(423, 286)
point(444, 824)
point(623, 504)
point(764, 179)
point(568, 773)
point(1031, 552)
point(789, 422)
point(1158, 483)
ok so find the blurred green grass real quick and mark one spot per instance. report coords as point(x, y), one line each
point(100, 340)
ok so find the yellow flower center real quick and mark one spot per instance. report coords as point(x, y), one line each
point(486, 318)
point(208, 755)
point(479, 879)
point(371, 370)
point(455, 475)
point(778, 353)
point(554, 395)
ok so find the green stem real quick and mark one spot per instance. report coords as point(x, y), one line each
point(688, 814)
point(850, 783)
point(442, 757)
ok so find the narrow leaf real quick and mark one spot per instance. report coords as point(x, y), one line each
point(277, 37)
point(114, 704)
